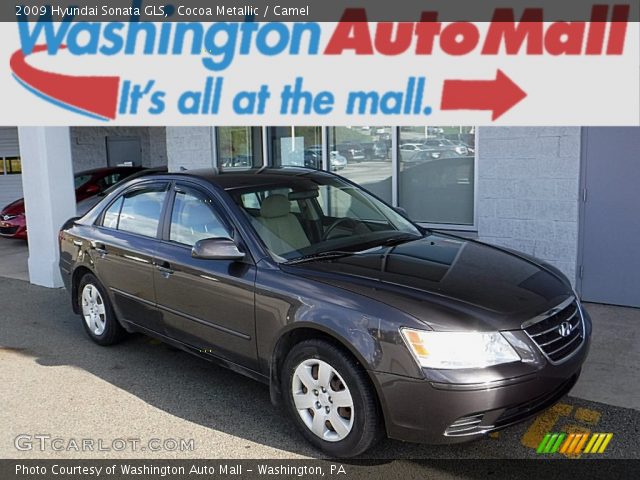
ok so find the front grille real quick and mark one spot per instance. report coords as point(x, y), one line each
point(528, 409)
point(8, 230)
point(558, 333)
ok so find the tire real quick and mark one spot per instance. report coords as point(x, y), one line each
point(357, 427)
point(96, 312)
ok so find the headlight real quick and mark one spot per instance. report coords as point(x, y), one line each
point(8, 217)
point(449, 350)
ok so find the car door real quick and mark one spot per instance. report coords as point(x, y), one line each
point(123, 250)
point(207, 304)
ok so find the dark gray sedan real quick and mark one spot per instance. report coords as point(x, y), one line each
point(361, 322)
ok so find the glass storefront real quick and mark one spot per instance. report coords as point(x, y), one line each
point(363, 155)
point(10, 165)
point(239, 147)
point(295, 146)
point(435, 177)
point(436, 174)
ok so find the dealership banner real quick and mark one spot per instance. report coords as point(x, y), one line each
point(197, 63)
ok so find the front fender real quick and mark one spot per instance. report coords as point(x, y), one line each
point(368, 329)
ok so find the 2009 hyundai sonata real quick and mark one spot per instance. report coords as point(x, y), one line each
point(361, 322)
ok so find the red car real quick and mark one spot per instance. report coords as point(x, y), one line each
point(13, 223)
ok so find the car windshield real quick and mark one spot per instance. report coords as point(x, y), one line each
point(303, 217)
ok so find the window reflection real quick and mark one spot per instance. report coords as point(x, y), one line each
point(363, 155)
point(296, 146)
point(436, 177)
point(239, 147)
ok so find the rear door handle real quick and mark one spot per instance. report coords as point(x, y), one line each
point(99, 247)
point(165, 269)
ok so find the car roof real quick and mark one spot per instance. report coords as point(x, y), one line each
point(231, 180)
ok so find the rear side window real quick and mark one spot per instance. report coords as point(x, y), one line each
point(111, 179)
point(111, 216)
point(193, 218)
point(80, 180)
point(137, 211)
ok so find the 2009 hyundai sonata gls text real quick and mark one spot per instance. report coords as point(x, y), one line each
point(361, 322)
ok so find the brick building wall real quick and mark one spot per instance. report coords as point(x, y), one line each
point(189, 148)
point(10, 189)
point(528, 191)
point(89, 145)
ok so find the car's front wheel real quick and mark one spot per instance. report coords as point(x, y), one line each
point(98, 317)
point(330, 399)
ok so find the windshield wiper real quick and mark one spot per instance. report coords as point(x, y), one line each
point(320, 256)
point(399, 239)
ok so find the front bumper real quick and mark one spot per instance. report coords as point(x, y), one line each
point(14, 228)
point(424, 411)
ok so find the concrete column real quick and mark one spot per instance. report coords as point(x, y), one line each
point(47, 182)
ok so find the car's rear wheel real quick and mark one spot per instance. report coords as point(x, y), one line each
point(330, 399)
point(97, 314)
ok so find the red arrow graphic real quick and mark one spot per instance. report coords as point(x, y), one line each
point(95, 95)
point(498, 95)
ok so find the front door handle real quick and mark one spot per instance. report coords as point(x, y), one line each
point(165, 269)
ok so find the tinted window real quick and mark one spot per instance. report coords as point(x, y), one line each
point(141, 211)
point(80, 180)
point(193, 218)
point(111, 179)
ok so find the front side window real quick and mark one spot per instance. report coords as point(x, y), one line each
point(193, 218)
point(141, 210)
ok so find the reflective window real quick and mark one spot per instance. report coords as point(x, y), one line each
point(10, 165)
point(296, 146)
point(80, 180)
point(111, 179)
point(193, 218)
point(111, 216)
point(436, 174)
point(239, 147)
point(141, 211)
point(363, 155)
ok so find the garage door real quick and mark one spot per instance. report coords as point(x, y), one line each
point(9, 142)
point(610, 230)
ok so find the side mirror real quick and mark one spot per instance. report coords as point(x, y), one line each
point(216, 249)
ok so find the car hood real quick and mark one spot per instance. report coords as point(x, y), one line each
point(448, 282)
point(14, 208)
